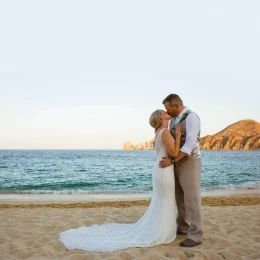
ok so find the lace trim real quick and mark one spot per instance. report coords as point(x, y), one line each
point(158, 143)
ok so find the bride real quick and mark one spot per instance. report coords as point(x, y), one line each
point(158, 224)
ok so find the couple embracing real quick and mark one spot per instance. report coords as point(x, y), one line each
point(176, 182)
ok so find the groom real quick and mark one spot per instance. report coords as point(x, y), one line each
point(187, 169)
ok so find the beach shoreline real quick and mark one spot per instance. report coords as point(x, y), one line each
point(30, 226)
point(15, 198)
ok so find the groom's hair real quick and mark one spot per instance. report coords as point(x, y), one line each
point(173, 99)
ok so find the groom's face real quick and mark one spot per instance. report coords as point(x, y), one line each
point(172, 110)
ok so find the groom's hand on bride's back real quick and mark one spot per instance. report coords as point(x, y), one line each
point(165, 162)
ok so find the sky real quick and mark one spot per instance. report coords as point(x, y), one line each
point(88, 74)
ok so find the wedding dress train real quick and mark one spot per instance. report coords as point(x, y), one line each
point(156, 226)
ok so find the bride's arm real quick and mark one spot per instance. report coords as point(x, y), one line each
point(173, 148)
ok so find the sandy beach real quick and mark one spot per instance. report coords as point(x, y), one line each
point(30, 228)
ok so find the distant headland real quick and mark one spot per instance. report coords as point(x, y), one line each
point(242, 135)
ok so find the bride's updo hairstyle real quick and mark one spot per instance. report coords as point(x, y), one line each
point(155, 119)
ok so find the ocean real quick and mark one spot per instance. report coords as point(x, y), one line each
point(115, 171)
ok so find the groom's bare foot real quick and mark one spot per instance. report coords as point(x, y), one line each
point(189, 243)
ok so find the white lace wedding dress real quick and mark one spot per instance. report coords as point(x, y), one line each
point(156, 226)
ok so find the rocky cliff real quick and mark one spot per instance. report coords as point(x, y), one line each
point(128, 146)
point(141, 146)
point(242, 135)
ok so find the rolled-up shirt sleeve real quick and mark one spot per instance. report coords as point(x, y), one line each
point(192, 131)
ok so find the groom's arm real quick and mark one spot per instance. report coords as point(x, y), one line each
point(192, 130)
point(166, 161)
point(180, 156)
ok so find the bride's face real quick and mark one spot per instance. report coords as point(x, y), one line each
point(165, 115)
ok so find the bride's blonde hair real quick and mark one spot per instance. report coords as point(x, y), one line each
point(155, 119)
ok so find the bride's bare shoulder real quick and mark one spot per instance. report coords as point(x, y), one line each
point(166, 135)
point(166, 131)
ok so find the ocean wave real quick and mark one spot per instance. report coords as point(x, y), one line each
point(73, 192)
point(232, 187)
point(247, 186)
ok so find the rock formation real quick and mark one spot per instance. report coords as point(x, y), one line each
point(149, 145)
point(128, 146)
point(146, 146)
point(242, 135)
point(139, 146)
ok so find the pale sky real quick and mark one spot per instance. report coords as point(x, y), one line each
point(88, 74)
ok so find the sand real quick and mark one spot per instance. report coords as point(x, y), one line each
point(31, 230)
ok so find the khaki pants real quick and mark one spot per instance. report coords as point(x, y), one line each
point(188, 198)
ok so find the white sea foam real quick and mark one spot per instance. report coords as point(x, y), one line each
point(74, 192)
point(232, 187)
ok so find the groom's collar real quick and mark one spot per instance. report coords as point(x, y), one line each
point(182, 112)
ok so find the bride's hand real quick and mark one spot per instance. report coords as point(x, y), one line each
point(178, 130)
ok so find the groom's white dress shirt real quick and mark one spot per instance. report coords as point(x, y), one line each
point(192, 130)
